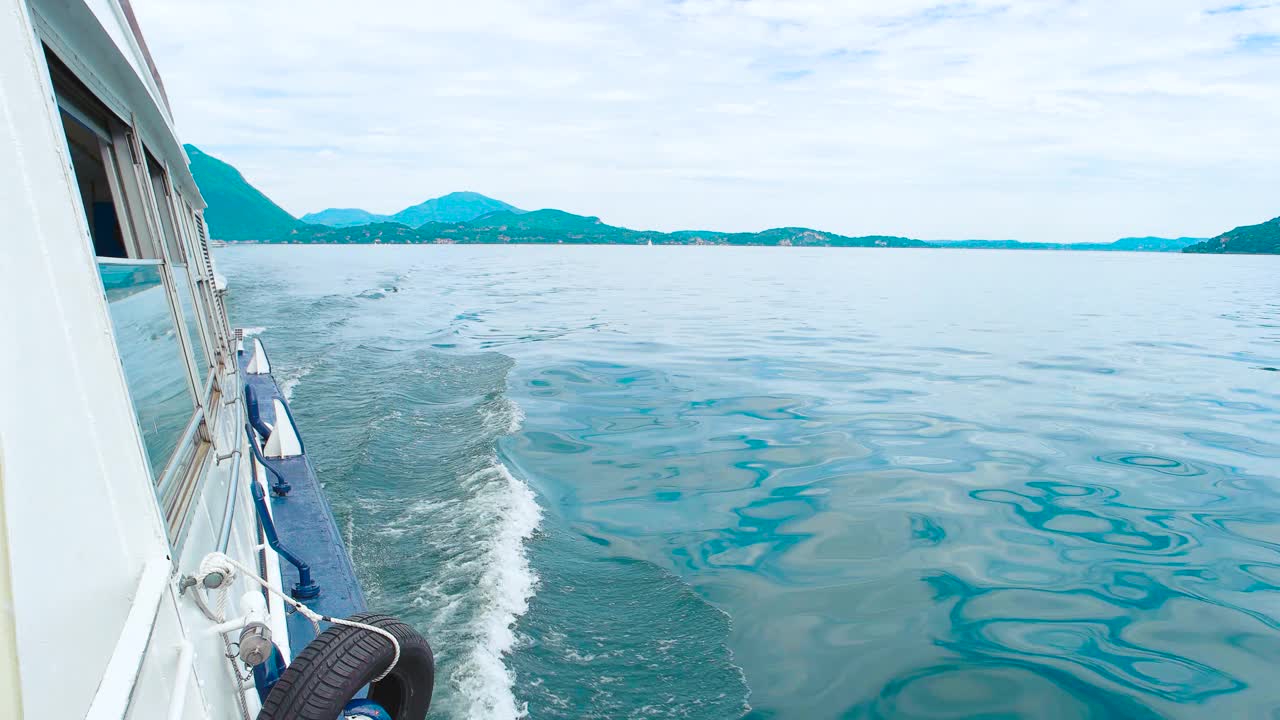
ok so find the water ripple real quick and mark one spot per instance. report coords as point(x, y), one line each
point(812, 484)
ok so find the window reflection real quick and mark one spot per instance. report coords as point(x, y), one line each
point(186, 298)
point(151, 355)
point(160, 194)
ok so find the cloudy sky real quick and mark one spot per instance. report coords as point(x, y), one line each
point(1049, 120)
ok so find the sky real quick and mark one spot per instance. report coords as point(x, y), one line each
point(1039, 120)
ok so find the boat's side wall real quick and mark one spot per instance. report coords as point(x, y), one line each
point(179, 615)
point(10, 684)
point(95, 41)
point(81, 515)
point(98, 622)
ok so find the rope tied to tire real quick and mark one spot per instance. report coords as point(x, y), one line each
point(220, 562)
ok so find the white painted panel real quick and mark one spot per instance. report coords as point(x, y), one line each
point(159, 675)
point(10, 684)
point(112, 20)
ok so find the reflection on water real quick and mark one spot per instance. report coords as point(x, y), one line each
point(151, 355)
point(917, 485)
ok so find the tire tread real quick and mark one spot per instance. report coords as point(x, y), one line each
point(321, 676)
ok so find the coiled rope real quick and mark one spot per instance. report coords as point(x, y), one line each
point(209, 565)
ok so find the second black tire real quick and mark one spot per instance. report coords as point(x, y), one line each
point(342, 659)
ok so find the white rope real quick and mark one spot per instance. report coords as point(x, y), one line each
point(308, 613)
point(217, 563)
point(221, 564)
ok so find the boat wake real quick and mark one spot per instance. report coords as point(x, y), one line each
point(452, 520)
point(291, 380)
point(434, 520)
point(503, 416)
point(507, 582)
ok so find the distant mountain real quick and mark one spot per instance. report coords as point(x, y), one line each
point(237, 210)
point(557, 226)
point(1135, 244)
point(343, 217)
point(452, 208)
point(1263, 238)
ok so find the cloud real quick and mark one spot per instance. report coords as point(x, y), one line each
point(1057, 120)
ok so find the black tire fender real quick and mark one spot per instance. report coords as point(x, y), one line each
point(333, 667)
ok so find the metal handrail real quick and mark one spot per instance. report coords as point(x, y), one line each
point(208, 387)
point(280, 486)
point(233, 492)
point(305, 587)
point(254, 413)
point(233, 496)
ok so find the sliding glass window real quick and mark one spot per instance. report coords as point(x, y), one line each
point(150, 353)
point(189, 305)
point(154, 310)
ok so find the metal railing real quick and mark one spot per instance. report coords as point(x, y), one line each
point(233, 492)
point(233, 496)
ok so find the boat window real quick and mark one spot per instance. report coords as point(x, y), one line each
point(191, 318)
point(164, 209)
point(175, 251)
point(154, 308)
point(196, 270)
point(92, 160)
point(151, 355)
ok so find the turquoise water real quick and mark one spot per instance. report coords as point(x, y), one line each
point(785, 483)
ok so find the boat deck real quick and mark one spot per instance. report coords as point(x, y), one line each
point(305, 524)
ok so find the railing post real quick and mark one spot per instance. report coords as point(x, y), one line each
point(306, 588)
point(280, 486)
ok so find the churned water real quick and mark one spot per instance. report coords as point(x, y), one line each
point(627, 482)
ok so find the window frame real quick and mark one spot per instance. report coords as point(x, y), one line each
point(165, 202)
point(139, 207)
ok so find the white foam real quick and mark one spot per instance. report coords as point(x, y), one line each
point(517, 417)
point(506, 584)
point(288, 384)
point(506, 418)
point(251, 331)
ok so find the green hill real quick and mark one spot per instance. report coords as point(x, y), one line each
point(1260, 239)
point(559, 227)
point(237, 210)
point(380, 232)
point(1154, 244)
point(805, 237)
point(1132, 244)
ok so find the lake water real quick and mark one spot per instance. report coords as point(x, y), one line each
point(626, 482)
